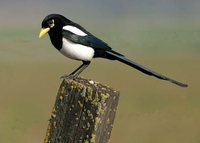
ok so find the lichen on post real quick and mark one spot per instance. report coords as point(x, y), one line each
point(84, 111)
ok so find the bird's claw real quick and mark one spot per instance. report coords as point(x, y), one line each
point(70, 76)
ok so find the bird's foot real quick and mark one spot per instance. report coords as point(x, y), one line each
point(70, 76)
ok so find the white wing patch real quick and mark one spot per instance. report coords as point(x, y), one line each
point(74, 30)
point(76, 51)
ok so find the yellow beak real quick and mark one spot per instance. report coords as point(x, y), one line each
point(43, 32)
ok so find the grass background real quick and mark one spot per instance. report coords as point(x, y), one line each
point(149, 111)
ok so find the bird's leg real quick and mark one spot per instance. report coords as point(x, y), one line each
point(71, 75)
point(77, 71)
point(86, 64)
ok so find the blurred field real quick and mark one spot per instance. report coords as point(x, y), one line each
point(149, 111)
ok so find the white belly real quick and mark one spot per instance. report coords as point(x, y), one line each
point(76, 51)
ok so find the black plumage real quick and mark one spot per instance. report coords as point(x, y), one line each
point(75, 42)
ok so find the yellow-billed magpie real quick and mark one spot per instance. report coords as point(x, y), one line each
point(74, 42)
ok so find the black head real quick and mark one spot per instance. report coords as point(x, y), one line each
point(53, 23)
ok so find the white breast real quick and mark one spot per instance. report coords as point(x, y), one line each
point(76, 51)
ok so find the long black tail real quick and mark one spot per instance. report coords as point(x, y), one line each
point(121, 58)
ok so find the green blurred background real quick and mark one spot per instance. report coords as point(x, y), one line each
point(163, 35)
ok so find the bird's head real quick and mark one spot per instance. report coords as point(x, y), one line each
point(53, 23)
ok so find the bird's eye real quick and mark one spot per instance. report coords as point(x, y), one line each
point(51, 23)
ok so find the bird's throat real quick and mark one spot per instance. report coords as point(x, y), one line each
point(56, 39)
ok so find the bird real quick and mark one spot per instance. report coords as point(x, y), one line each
point(75, 42)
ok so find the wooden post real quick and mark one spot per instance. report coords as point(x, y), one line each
point(84, 112)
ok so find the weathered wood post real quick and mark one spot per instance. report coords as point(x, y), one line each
point(84, 112)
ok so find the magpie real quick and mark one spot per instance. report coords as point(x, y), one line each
point(75, 42)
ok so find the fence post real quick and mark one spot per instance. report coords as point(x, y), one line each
point(84, 111)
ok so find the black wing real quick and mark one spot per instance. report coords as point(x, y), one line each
point(88, 40)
